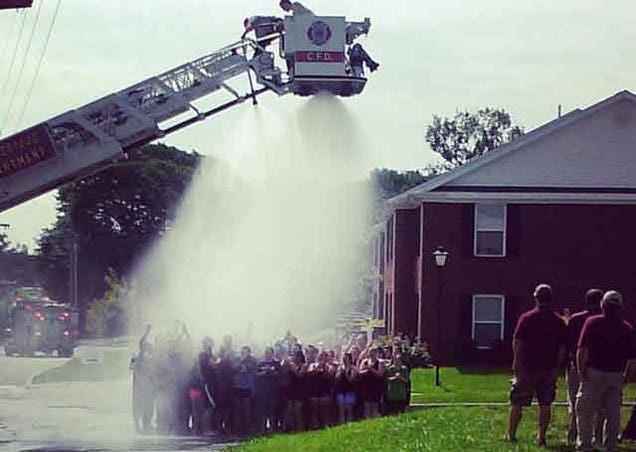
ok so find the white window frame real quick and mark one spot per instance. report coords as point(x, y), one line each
point(502, 323)
point(505, 231)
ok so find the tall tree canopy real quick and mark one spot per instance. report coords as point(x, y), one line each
point(113, 216)
point(467, 135)
point(388, 183)
point(457, 140)
point(16, 264)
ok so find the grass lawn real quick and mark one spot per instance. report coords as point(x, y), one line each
point(433, 429)
point(474, 385)
point(438, 429)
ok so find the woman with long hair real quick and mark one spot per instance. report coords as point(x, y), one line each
point(344, 388)
point(371, 373)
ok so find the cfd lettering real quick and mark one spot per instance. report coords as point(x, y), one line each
point(319, 57)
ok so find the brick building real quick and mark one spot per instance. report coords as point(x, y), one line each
point(557, 205)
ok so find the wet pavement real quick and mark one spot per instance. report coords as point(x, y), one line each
point(74, 416)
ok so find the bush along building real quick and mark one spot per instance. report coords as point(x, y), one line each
point(557, 205)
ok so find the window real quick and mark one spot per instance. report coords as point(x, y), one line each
point(488, 320)
point(389, 239)
point(490, 229)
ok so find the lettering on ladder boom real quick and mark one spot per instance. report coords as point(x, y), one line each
point(25, 149)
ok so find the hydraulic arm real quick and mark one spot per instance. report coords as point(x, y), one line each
point(82, 141)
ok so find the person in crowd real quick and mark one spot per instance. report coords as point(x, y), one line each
point(197, 399)
point(223, 391)
point(398, 383)
point(296, 8)
point(538, 350)
point(228, 345)
point(244, 387)
point(337, 354)
point(361, 341)
point(287, 390)
point(206, 369)
point(165, 384)
point(181, 359)
point(311, 354)
point(372, 384)
point(355, 352)
point(320, 375)
point(387, 353)
point(331, 358)
point(295, 370)
point(344, 388)
point(281, 351)
point(289, 340)
point(573, 331)
point(144, 378)
point(566, 315)
point(606, 347)
point(268, 375)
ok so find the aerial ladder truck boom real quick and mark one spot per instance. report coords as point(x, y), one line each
point(314, 54)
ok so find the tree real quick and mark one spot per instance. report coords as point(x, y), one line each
point(467, 135)
point(113, 216)
point(106, 316)
point(388, 183)
point(457, 140)
point(16, 264)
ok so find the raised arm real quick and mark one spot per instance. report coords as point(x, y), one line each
point(143, 338)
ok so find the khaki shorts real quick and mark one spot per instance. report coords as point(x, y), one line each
point(539, 384)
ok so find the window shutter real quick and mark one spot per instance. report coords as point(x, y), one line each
point(467, 230)
point(465, 324)
point(513, 230)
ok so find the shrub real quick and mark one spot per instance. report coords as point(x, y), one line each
point(106, 317)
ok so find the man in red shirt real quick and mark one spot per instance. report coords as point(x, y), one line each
point(575, 325)
point(538, 349)
point(606, 346)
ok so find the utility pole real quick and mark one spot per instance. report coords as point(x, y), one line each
point(72, 277)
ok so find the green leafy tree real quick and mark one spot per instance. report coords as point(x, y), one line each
point(467, 135)
point(112, 217)
point(388, 183)
point(106, 316)
point(457, 140)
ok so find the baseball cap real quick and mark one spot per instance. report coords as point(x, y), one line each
point(543, 294)
point(612, 298)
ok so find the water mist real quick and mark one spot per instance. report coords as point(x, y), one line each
point(270, 237)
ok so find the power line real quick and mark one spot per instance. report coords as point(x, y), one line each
point(39, 65)
point(8, 40)
point(24, 60)
point(15, 53)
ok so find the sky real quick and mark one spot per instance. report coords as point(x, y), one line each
point(436, 58)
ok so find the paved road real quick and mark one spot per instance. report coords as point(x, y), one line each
point(19, 371)
point(72, 416)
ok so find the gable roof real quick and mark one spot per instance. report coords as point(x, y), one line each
point(420, 192)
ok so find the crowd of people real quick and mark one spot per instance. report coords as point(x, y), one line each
point(291, 387)
point(598, 347)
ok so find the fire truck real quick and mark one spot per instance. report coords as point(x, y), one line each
point(37, 324)
point(302, 55)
